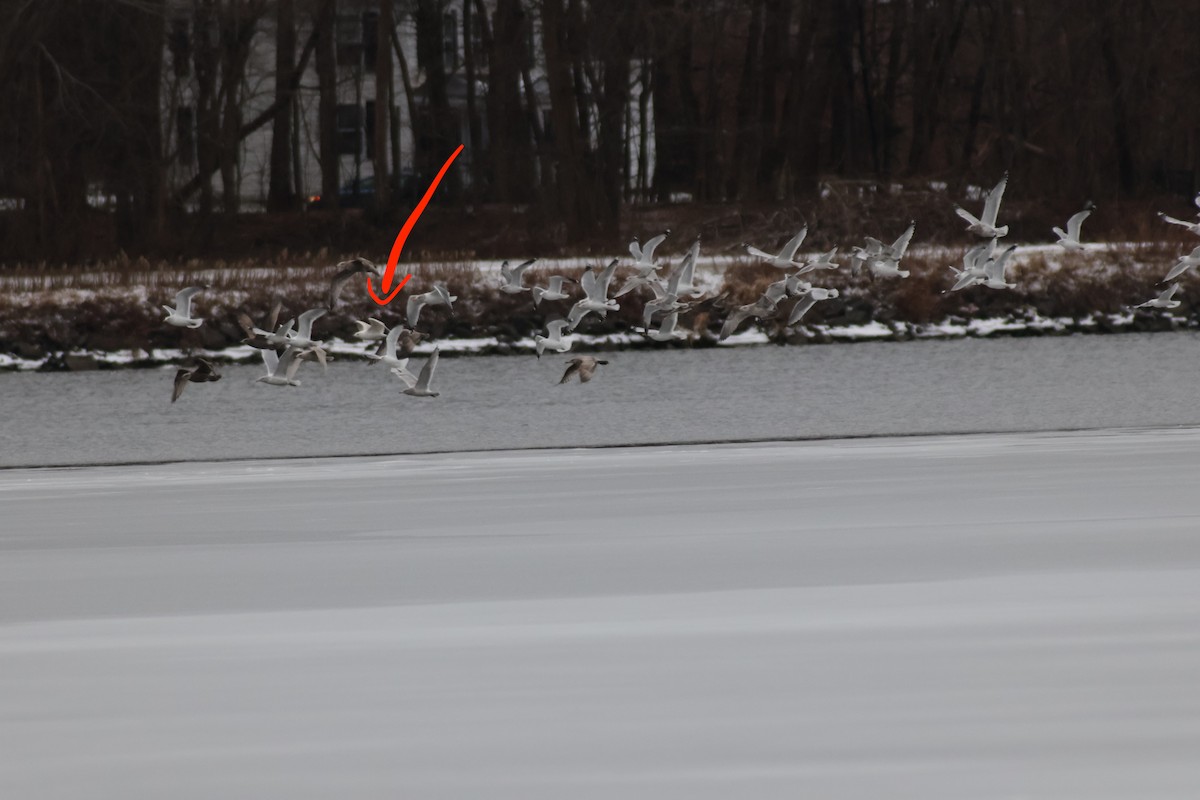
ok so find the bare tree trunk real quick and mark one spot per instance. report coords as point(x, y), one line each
point(326, 55)
point(281, 195)
point(575, 191)
point(383, 102)
point(511, 131)
point(474, 129)
point(1115, 78)
point(207, 117)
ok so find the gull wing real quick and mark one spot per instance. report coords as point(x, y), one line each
point(991, 206)
point(648, 247)
point(1173, 220)
point(271, 360)
point(305, 323)
point(427, 371)
point(352, 267)
point(183, 300)
point(415, 303)
point(754, 251)
point(667, 326)
point(1076, 222)
point(246, 324)
point(588, 282)
point(1170, 292)
point(900, 246)
point(181, 382)
point(407, 378)
point(806, 302)
point(967, 215)
point(273, 317)
point(604, 280)
point(289, 363)
point(574, 365)
point(789, 250)
point(995, 269)
point(555, 328)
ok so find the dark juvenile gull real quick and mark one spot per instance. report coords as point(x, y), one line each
point(354, 266)
point(201, 373)
point(583, 366)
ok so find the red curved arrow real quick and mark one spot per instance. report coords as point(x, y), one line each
point(390, 273)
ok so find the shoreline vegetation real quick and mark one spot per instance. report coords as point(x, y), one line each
point(108, 314)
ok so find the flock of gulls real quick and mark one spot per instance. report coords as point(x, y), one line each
point(287, 345)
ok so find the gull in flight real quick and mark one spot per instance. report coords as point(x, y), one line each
point(1070, 237)
point(884, 259)
point(974, 261)
point(373, 330)
point(394, 352)
point(256, 337)
point(985, 224)
point(201, 373)
point(807, 301)
point(554, 341)
point(281, 370)
point(595, 289)
point(302, 337)
point(349, 269)
point(784, 258)
point(181, 315)
point(666, 330)
point(762, 307)
point(583, 366)
point(554, 291)
point(1193, 227)
point(513, 276)
point(679, 282)
point(993, 277)
point(437, 296)
point(421, 387)
point(1163, 300)
point(820, 261)
point(643, 254)
point(1185, 263)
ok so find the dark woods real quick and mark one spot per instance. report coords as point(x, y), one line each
point(154, 122)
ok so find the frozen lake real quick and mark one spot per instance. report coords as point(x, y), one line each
point(659, 396)
point(994, 616)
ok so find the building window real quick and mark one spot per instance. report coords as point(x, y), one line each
point(349, 40)
point(179, 44)
point(370, 39)
point(349, 130)
point(450, 39)
point(185, 131)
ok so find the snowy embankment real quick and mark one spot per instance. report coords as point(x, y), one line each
point(1058, 293)
point(986, 617)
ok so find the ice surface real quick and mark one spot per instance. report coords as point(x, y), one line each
point(1011, 616)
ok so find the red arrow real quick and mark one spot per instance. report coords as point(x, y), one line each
point(390, 273)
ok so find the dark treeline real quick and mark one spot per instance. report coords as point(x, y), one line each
point(581, 108)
